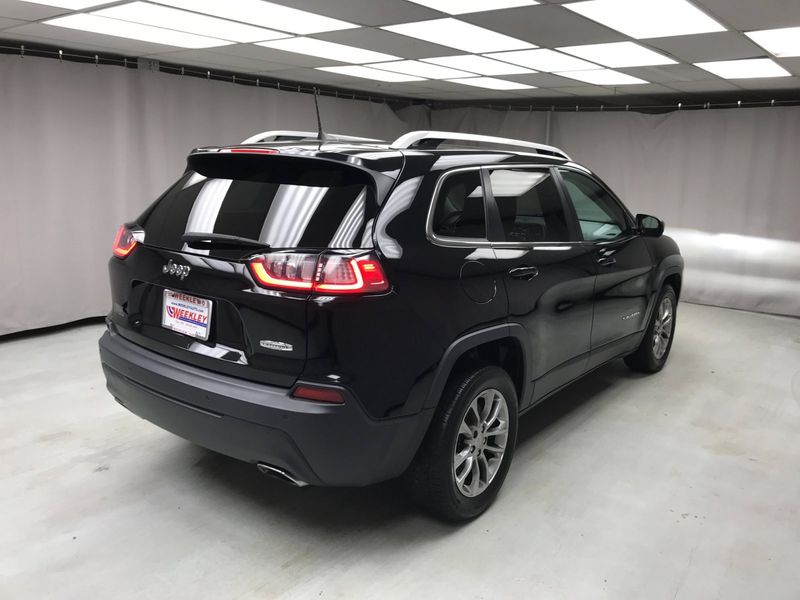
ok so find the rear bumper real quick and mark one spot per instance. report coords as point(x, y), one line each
point(320, 444)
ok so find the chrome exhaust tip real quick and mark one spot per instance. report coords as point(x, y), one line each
point(281, 474)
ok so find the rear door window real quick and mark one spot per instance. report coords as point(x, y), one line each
point(286, 207)
point(460, 211)
point(529, 204)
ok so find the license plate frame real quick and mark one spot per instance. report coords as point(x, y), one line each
point(186, 314)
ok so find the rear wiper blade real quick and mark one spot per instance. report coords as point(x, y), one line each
point(205, 241)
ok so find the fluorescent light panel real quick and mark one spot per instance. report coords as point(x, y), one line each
point(460, 7)
point(370, 73)
point(603, 77)
point(748, 68)
point(181, 20)
point(646, 18)
point(545, 60)
point(780, 42)
point(619, 54)
point(329, 50)
point(478, 64)
point(265, 14)
point(460, 35)
point(71, 4)
point(135, 31)
point(421, 69)
point(492, 83)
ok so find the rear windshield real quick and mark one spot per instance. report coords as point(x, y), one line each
point(286, 206)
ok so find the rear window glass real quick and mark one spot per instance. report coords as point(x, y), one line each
point(285, 207)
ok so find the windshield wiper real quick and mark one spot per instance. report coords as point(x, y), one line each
point(206, 241)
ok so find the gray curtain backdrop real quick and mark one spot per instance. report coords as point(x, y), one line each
point(84, 148)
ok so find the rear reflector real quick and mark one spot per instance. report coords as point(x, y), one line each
point(326, 274)
point(124, 243)
point(320, 394)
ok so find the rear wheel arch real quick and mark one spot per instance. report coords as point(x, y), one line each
point(675, 280)
point(504, 346)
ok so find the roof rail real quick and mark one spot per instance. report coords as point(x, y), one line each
point(292, 136)
point(433, 139)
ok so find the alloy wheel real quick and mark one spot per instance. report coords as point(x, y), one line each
point(481, 443)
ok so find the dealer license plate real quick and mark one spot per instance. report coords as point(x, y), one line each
point(186, 314)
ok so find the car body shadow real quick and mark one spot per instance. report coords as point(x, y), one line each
point(384, 505)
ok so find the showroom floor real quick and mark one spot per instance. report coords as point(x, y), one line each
point(680, 485)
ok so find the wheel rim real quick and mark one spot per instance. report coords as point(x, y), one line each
point(481, 443)
point(662, 331)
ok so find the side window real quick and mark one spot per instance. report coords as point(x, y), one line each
point(529, 204)
point(600, 216)
point(460, 209)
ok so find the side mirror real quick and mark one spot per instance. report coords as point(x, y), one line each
point(650, 226)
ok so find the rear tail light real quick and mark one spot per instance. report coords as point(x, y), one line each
point(326, 274)
point(124, 243)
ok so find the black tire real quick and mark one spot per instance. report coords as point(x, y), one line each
point(431, 480)
point(646, 358)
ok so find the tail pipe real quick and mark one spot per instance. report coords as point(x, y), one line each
point(281, 474)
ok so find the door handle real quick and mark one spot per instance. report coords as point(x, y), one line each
point(526, 273)
point(606, 261)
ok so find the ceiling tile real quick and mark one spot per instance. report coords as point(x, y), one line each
point(746, 15)
point(544, 80)
point(14, 9)
point(770, 83)
point(547, 26)
point(644, 88)
point(216, 60)
point(587, 90)
point(709, 85)
point(380, 40)
point(790, 64)
point(270, 55)
point(721, 45)
point(667, 73)
point(6, 23)
point(366, 12)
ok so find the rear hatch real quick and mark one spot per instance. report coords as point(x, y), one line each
point(186, 286)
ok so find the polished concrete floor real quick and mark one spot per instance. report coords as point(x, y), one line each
point(685, 485)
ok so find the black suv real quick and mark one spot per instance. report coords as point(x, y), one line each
point(342, 311)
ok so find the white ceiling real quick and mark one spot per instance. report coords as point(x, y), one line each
point(547, 25)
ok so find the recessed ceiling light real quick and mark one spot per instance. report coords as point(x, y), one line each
point(640, 19)
point(181, 20)
point(458, 34)
point(421, 69)
point(370, 73)
point(265, 14)
point(780, 42)
point(492, 83)
point(135, 31)
point(619, 54)
point(603, 77)
point(460, 7)
point(478, 64)
point(329, 50)
point(748, 68)
point(545, 60)
point(73, 4)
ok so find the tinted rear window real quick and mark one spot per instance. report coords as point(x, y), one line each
point(286, 206)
